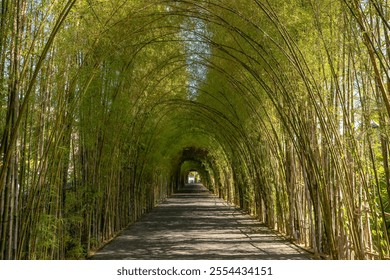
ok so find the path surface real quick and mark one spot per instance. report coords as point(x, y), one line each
point(195, 225)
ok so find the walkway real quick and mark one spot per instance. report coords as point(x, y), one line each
point(194, 224)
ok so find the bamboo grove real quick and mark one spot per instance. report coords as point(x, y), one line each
point(282, 106)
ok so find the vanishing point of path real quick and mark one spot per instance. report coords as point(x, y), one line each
point(196, 225)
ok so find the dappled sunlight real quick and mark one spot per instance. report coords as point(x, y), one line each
point(198, 225)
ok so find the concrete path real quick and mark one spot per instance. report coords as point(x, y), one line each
point(196, 225)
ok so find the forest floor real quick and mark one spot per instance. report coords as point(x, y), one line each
point(195, 224)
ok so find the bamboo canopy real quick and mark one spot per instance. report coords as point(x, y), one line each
point(282, 107)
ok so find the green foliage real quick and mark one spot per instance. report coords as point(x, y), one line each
point(271, 102)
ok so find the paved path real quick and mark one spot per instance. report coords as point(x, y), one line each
point(195, 225)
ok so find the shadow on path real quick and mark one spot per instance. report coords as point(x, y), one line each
point(194, 224)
